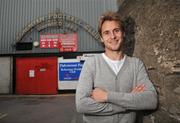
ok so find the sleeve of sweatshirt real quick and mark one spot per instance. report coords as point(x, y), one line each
point(84, 103)
point(137, 101)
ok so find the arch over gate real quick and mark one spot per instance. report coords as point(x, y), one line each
point(57, 19)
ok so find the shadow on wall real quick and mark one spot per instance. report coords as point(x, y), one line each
point(129, 43)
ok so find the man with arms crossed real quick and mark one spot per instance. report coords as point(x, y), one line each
point(113, 86)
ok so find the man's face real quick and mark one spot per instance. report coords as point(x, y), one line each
point(112, 36)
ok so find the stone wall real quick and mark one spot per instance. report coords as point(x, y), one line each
point(153, 34)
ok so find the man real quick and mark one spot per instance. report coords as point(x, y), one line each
point(113, 86)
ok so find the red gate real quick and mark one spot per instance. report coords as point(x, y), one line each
point(36, 75)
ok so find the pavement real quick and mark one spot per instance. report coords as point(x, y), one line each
point(39, 108)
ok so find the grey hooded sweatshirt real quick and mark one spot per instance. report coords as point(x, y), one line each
point(121, 104)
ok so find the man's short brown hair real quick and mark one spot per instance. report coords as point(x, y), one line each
point(110, 16)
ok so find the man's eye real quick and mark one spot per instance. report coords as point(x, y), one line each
point(117, 30)
point(106, 33)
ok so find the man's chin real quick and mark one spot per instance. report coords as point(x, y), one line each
point(115, 49)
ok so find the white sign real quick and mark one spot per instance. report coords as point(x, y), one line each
point(31, 73)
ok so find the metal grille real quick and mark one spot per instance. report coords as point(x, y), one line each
point(16, 14)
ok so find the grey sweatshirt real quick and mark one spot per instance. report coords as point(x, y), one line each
point(121, 104)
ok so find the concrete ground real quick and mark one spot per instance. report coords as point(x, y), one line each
point(38, 109)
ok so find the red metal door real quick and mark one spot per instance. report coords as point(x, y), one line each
point(36, 75)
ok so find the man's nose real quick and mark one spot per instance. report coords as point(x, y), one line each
point(112, 35)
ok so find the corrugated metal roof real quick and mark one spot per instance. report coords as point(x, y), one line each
point(16, 14)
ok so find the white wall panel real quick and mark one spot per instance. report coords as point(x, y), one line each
point(5, 75)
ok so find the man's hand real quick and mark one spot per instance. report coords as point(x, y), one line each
point(139, 88)
point(99, 95)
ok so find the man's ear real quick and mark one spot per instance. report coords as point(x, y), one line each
point(124, 34)
point(102, 40)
